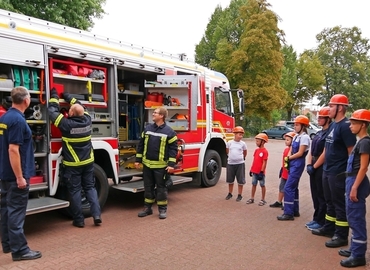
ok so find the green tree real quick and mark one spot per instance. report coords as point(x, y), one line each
point(223, 24)
point(253, 62)
point(78, 14)
point(344, 55)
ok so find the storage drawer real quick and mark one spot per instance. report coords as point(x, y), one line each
point(101, 130)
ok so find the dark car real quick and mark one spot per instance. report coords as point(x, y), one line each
point(277, 131)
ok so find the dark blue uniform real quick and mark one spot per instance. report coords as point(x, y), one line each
point(356, 211)
point(14, 130)
point(337, 142)
point(78, 157)
point(317, 192)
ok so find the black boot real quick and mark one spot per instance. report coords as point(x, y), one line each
point(146, 211)
point(162, 212)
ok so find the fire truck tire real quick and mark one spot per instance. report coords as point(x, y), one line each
point(102, 188)
point(212, 167)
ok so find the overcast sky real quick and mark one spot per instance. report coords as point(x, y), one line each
point(175, 26)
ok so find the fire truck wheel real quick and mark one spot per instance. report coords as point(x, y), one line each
point(212, 167)
point(102, 188)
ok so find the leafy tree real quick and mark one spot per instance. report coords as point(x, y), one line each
point(302, 78)
point(344, 55)
point(78, 14)
point(253, 61)
point(222, 24)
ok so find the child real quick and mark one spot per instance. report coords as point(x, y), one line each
point(357, 189)
point(283, 175)
point(296, 162)
point(236, 150)
point(258, 168)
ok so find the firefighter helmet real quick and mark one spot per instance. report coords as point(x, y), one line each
point(238, 129)
point(361, 115)
point(290, 134)
point(302, 119)
point(262, 136)
point(339, 99)
point(324, 112)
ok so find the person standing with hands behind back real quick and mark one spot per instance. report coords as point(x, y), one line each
point(258, 168)
point(78, 156)
point(17, 165)
point(236, 150)
point(157, 150)
point(357, 190)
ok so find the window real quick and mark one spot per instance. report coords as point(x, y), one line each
point(222, 100)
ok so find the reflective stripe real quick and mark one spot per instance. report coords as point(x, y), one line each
point(54, 100)
point(359, 241)
point(139, 155)
point(332, 219)
point(77, 140)
point(80, 163)
point(341, 223)
point(57, 121)
point(173, 139)
point(162, 202)
point(72, 152)
point(149, 200)
point(73, 101)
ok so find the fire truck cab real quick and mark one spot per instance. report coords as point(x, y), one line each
point(120, 85)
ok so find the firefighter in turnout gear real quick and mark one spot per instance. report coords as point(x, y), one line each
point(157, 152)
point(78, 156)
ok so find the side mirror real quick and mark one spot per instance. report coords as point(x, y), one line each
point(240, 94)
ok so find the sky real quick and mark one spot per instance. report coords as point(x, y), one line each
point(174, 26)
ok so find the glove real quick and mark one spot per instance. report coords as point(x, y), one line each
point(280, 172)
point(310, 169)
point(67, 97)
point(250, 174)
point(169, 182)
point(54, 93)
point(260, 176)
point(286, 163)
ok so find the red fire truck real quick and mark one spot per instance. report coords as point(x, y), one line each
point(120, 84)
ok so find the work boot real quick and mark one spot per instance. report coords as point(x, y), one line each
point(162, 212)
point(146, 211)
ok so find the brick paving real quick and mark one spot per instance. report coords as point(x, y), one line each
point(202, 231)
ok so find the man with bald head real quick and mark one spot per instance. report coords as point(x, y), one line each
point(78, 156)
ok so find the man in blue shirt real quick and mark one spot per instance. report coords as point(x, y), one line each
point(17, 166)
point(338, 145)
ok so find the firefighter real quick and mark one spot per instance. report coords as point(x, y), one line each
point(78, 156)
point(296, 161)
point(338, 145)
point(317, 193)
point(357, 190)
point(157, 152)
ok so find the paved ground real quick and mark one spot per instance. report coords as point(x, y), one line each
point(202, 231)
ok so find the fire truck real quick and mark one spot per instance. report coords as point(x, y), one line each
point(120, 84)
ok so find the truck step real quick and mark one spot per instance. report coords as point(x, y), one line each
point(39, 205)
point(138, 185)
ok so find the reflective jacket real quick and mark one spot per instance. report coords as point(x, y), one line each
point(76, 133)
point(157, 147)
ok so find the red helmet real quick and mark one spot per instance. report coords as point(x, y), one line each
point(302, 119)
point(238, 129)
point(361, 115)
point(262, 136)
point(339, 99)
point(324, 112)
point(290, 134)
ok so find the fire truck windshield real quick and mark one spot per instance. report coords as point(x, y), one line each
point(223, 101)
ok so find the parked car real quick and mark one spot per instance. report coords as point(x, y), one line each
point(312, 129)
point(277, 131)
